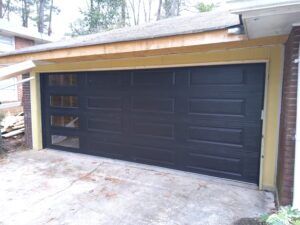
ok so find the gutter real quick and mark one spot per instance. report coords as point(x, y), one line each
point(296, 195)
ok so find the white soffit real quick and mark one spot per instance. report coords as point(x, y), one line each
point(267, 18)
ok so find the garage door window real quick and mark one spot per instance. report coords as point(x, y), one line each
point(65, 141)
point(65, 121)
point(63, 80)
point(64, 101)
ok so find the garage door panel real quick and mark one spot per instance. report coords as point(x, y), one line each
point(251, 167)
point(153, 116)
point(252, 139)
point(105, 103)
point(214, 149)
point(246, 107)
point(212, 164)
point(104, 125)
point(107, 149)
point(107, 79)
point(151, 141)
point(228, 91)
point(213, 75)
point(156, 130)
point(151, 155)
point(153, 79)
point(217, 106)
point(241, 138)
point(151, 104)
point(222, 121)
point(200, 119)
point(213, 134)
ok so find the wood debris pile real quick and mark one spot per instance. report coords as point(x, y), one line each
point(12, 125)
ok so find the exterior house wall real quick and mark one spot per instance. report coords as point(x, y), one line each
point(27, 112)
point(288, 120)
point(271, 54)
point(14, 94)
point(22, 43)
point(24, 93)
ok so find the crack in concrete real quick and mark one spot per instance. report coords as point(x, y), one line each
point(70, 185)
point(60, 191)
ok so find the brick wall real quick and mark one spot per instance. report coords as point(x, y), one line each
point(286, 152)
point(22, 43)
point(25, 90)
point(27, 112)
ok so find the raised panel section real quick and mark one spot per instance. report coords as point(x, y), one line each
point(159, 105)
point(105, 79)
point(104, 103)
point(215, 164)
point(216, 76)
point(220, 135)
point(114, 150)
point(156, 156)
point(217, 106)
point(154, 129)
point(153, 78)
point(106, 125)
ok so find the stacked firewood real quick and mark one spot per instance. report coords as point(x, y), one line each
point(12, 125)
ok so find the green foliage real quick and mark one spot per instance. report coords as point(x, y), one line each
point(101, 15)
point(202, 7)
point(172, 7)
point(285, 216)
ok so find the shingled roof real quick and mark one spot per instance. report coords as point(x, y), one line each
point(196, 23)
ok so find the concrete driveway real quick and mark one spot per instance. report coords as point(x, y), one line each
point(54, 187)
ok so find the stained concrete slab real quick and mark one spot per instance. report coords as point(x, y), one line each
point(55, 187)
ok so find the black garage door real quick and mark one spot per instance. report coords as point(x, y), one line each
point(201, 119)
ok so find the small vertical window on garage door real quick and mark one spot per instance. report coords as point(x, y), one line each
point(62, 109)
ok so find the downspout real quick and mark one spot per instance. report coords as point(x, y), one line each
point(296, 198)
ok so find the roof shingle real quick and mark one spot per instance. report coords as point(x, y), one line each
point(196, 23)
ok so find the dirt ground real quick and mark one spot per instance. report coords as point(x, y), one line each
point(13, 144)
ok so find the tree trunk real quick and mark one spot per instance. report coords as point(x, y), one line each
point(50, 18)
point(138, 12)
point(7, 10)
point(132, 6)
point(159, 10)
point(1, 9)
point(145, 11)
point(41, 16)
point(25, 13)
point(92, 5)
point(123, 13)
point(150, 10)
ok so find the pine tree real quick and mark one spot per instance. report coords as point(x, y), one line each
point(100, 15)
point(44, 15)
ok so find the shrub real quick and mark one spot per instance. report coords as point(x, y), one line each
point(284, 216)
point(1, 116)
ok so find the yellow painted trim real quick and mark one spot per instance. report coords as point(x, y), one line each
point(272, 120)
point(272, 55)
point(36, 116)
